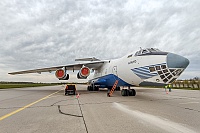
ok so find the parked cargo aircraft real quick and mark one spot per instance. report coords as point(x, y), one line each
point(148, 66)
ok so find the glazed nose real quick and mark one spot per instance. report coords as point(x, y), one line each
point(176, 61)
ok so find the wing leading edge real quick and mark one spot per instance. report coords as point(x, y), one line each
point(92, 65)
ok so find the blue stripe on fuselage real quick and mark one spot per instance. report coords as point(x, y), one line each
point(109, 80)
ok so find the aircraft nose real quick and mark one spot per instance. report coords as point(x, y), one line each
point(176, 61)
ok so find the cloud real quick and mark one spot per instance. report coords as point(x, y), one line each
point(46, 33)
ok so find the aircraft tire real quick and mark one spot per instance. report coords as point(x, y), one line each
point(91, 88)
point(124, 92)
point(88, 88)
point(130, 92)
point(133, 92)
point(96, 88)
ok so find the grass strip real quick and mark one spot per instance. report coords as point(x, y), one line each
point(8, 86)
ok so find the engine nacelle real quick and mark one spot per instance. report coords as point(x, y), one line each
point(83, 73)
point(61, 74)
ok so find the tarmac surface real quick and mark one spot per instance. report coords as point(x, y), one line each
point(47, 110)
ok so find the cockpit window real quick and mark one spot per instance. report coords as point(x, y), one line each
point(152, 50)
point(145, 51)
point(149, 51)
point(137, 53)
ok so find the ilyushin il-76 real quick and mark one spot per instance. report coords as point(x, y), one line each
point(148, 66)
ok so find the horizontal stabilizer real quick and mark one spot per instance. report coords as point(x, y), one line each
point(87, 59)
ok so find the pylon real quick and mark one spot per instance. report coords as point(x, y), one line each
point(77, 96)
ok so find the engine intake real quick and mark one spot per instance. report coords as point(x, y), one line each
point(83, 73)
point(61, 74)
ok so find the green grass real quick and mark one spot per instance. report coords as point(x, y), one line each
point(186, 88)
point(13, 85)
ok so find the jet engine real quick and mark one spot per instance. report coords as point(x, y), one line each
point(83, 73)
point(61, 74)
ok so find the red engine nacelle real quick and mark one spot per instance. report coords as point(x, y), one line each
point(83, 73)
point(61, 74)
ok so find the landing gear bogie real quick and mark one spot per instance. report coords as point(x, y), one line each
point(128, 92)
point(93, 88)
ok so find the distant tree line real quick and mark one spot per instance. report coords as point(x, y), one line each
point(188, 83)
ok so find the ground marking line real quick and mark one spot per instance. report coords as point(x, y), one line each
point(188, 102)
point(18, 110)
point(156, 121)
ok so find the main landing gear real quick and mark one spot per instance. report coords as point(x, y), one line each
point(124, 92)
point(128, 92)
point(93, 88)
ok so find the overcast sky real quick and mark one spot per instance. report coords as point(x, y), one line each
point(45, 33)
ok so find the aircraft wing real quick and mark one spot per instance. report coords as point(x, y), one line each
point(93, 65)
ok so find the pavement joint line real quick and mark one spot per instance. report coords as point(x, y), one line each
point(20, 109)
point(82, 116)
point(60, 111)
point(189, 103)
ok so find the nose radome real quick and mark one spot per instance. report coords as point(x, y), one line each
point(176, 61)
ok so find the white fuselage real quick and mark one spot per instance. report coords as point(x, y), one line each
point(136, 69)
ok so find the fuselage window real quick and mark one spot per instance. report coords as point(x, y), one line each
point(169, 77)
point(157, 67)
point(152, 69)
point(165, 80)
point(165, 71)
point(160, 72)
point(162, 76)
point(171, 70)
point(167, 74)
point(163, 66)
point(174, 73)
